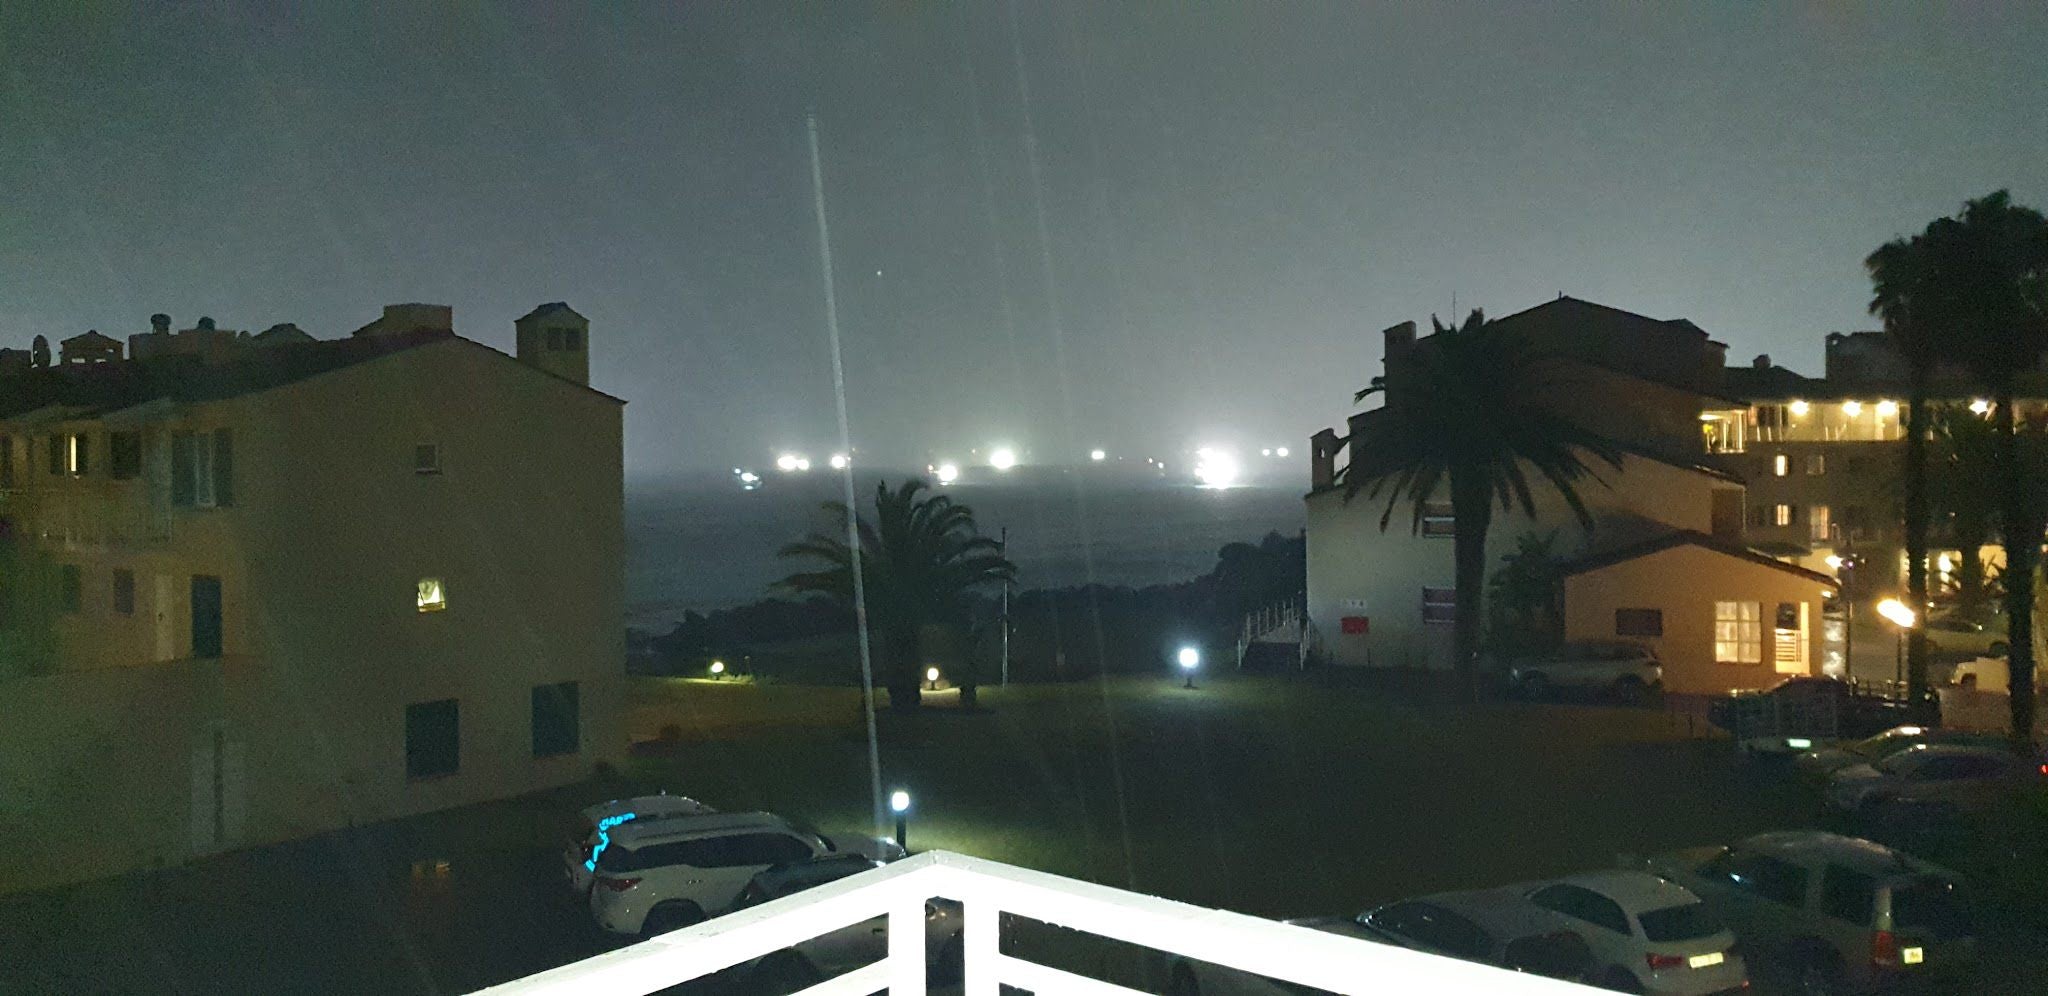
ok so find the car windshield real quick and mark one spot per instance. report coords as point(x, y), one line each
point(1686, 922)
point(1930, 906)
point(1903, 762)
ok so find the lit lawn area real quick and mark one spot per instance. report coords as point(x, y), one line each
point(1271, 797)
point(1265, 796)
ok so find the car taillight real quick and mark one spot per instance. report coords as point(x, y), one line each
point(1884, 948)
point(618, 884)
point(1659, 962)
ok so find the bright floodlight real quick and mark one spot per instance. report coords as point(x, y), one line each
point(1897, 613)
point(1189, 658)
point(899, 801)
point(1799, 407)
point(1215, 468)
point(1980, 407)
point(948, 473)
point(1835, 563)
point(1268, 451)
point(838, 461)
point(1280, 451)
point(1852, 408)
point(717, 667)
point(1098, 455)
point(1887, 409)
point(931, 674)
point(786, 462)
point(1002, 458)
point(803, 463)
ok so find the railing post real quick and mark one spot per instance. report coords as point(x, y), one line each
point(980, 941)
point(907, 947)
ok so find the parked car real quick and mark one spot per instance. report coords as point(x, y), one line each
point(1491, 926)
point(1992, 674)
point(1933, 778)
point(662, 875)
point(1647, 934)
point(1798, 713)
point(1953, 633)
point(1835, 913)
point(1628, 671)
point(848, 948)
point(1824, 761)
point(593, 830)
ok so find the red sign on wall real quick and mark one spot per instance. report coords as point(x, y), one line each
point(1354, 625)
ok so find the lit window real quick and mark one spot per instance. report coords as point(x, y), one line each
point(426, 458)
point(1817, 518)
point(1781, 515)
point(433, 596)
point(1738, 632)
point(78, 455)
point(1781, 465)
point(1439, 606)
point(1437, 519)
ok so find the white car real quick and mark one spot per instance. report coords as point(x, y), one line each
point(1627, 671)
point(1944, 778)
point(847, 948)
point(663, 875)
point(593, 834)
point(1647, 933)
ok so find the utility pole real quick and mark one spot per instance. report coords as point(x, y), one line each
point(1005, 541)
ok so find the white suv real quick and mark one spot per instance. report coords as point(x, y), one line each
point(593, 832)
point(663, 875)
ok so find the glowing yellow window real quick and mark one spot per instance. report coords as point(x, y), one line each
point(433, 596)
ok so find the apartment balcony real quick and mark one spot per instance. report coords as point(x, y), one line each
point(1296, 958)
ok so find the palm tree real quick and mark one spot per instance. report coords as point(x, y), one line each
point(1966, 455)
point(1991, 269)
point(1521, 597)
point(921, 562)
point(1476, 425)
point(1900, 272)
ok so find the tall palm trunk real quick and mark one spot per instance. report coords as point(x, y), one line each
point(906, 688)
point(1917, 514)
point(1472, 513)
point(2022, 554)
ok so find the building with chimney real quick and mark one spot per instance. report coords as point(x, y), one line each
point(256, 588)
point(1667, 562)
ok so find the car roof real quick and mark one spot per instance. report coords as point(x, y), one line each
point(1636, 891)
point(636, 834)
point(1958, 750)
point(1501, 912)
point(646, 807)
point(817, 871)
point(1854, 853)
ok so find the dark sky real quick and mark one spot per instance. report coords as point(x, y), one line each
point(1235, 198)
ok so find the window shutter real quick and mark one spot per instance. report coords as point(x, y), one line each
point(183, 486)
point(223, 467)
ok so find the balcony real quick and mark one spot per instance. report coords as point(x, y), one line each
point(1297, 957)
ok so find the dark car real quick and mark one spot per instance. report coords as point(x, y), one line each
point(1797, 713)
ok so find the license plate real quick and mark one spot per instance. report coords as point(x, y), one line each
point(1911, 956)
point(1704, 961)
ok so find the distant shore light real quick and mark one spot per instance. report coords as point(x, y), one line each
point(786, 462)
point(839, 461)
point(1002, 458)
point(1098, 455)
point(948, 473)
point(1281, 452)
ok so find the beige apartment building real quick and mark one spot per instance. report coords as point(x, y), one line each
point(254, 588)
point(1668, 561)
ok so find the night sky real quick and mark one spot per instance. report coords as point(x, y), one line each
point(1234, 200)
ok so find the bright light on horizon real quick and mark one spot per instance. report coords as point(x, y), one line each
point(1098, 455)
point(787, 462)
point(1002, 458)
point(839, 461)
point(948, 473)
point(1215, 468)
point(1281, 452)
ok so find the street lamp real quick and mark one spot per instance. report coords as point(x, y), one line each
point(899, 803)
point(931, 678)
point(1902, 616)
point(718, 669)
point(1189, 659)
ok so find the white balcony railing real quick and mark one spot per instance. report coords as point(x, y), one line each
point(986, 890)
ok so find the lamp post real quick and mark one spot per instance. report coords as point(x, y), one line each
point(1189, 659)
point(899, 803)
point(718, 670)
point(1902, 616)
point(931, 678)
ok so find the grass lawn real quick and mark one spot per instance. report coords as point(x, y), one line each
point(1266, 796)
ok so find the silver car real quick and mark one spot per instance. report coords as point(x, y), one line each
point(1932, 779)
point(1821, 762)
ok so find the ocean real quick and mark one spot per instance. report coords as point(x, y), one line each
point(701, 542)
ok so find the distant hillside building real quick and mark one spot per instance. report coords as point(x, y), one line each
point(1666, 563)
point(256, 588)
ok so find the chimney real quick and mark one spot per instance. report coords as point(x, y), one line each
point(404, 319)
point(205, 324)
point(1399, 338)
point(1323, 446)
point(1762, 361)
point(160, 323)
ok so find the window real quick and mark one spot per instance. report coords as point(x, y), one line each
point(202, 469)
point(433, 596)
point(1781, 465)
point(555, 729)
point(1774, 879)
point(206, 606)
point(1435, 927)
point(1638, 622)
point(1782, 514)
point(1437, 519)
point(1759, 516)
point(432, 741)
point(1583, 905)
point(1439, 606)
point(1738, 632)
point(70, 587)
point(1686, 922)
point(1816, 464)
point(426, 458)
point(1847, 896)
point(124, 591)
point(1818, 522)
point(78, 454)
point(124, 455)
point(57, 448)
